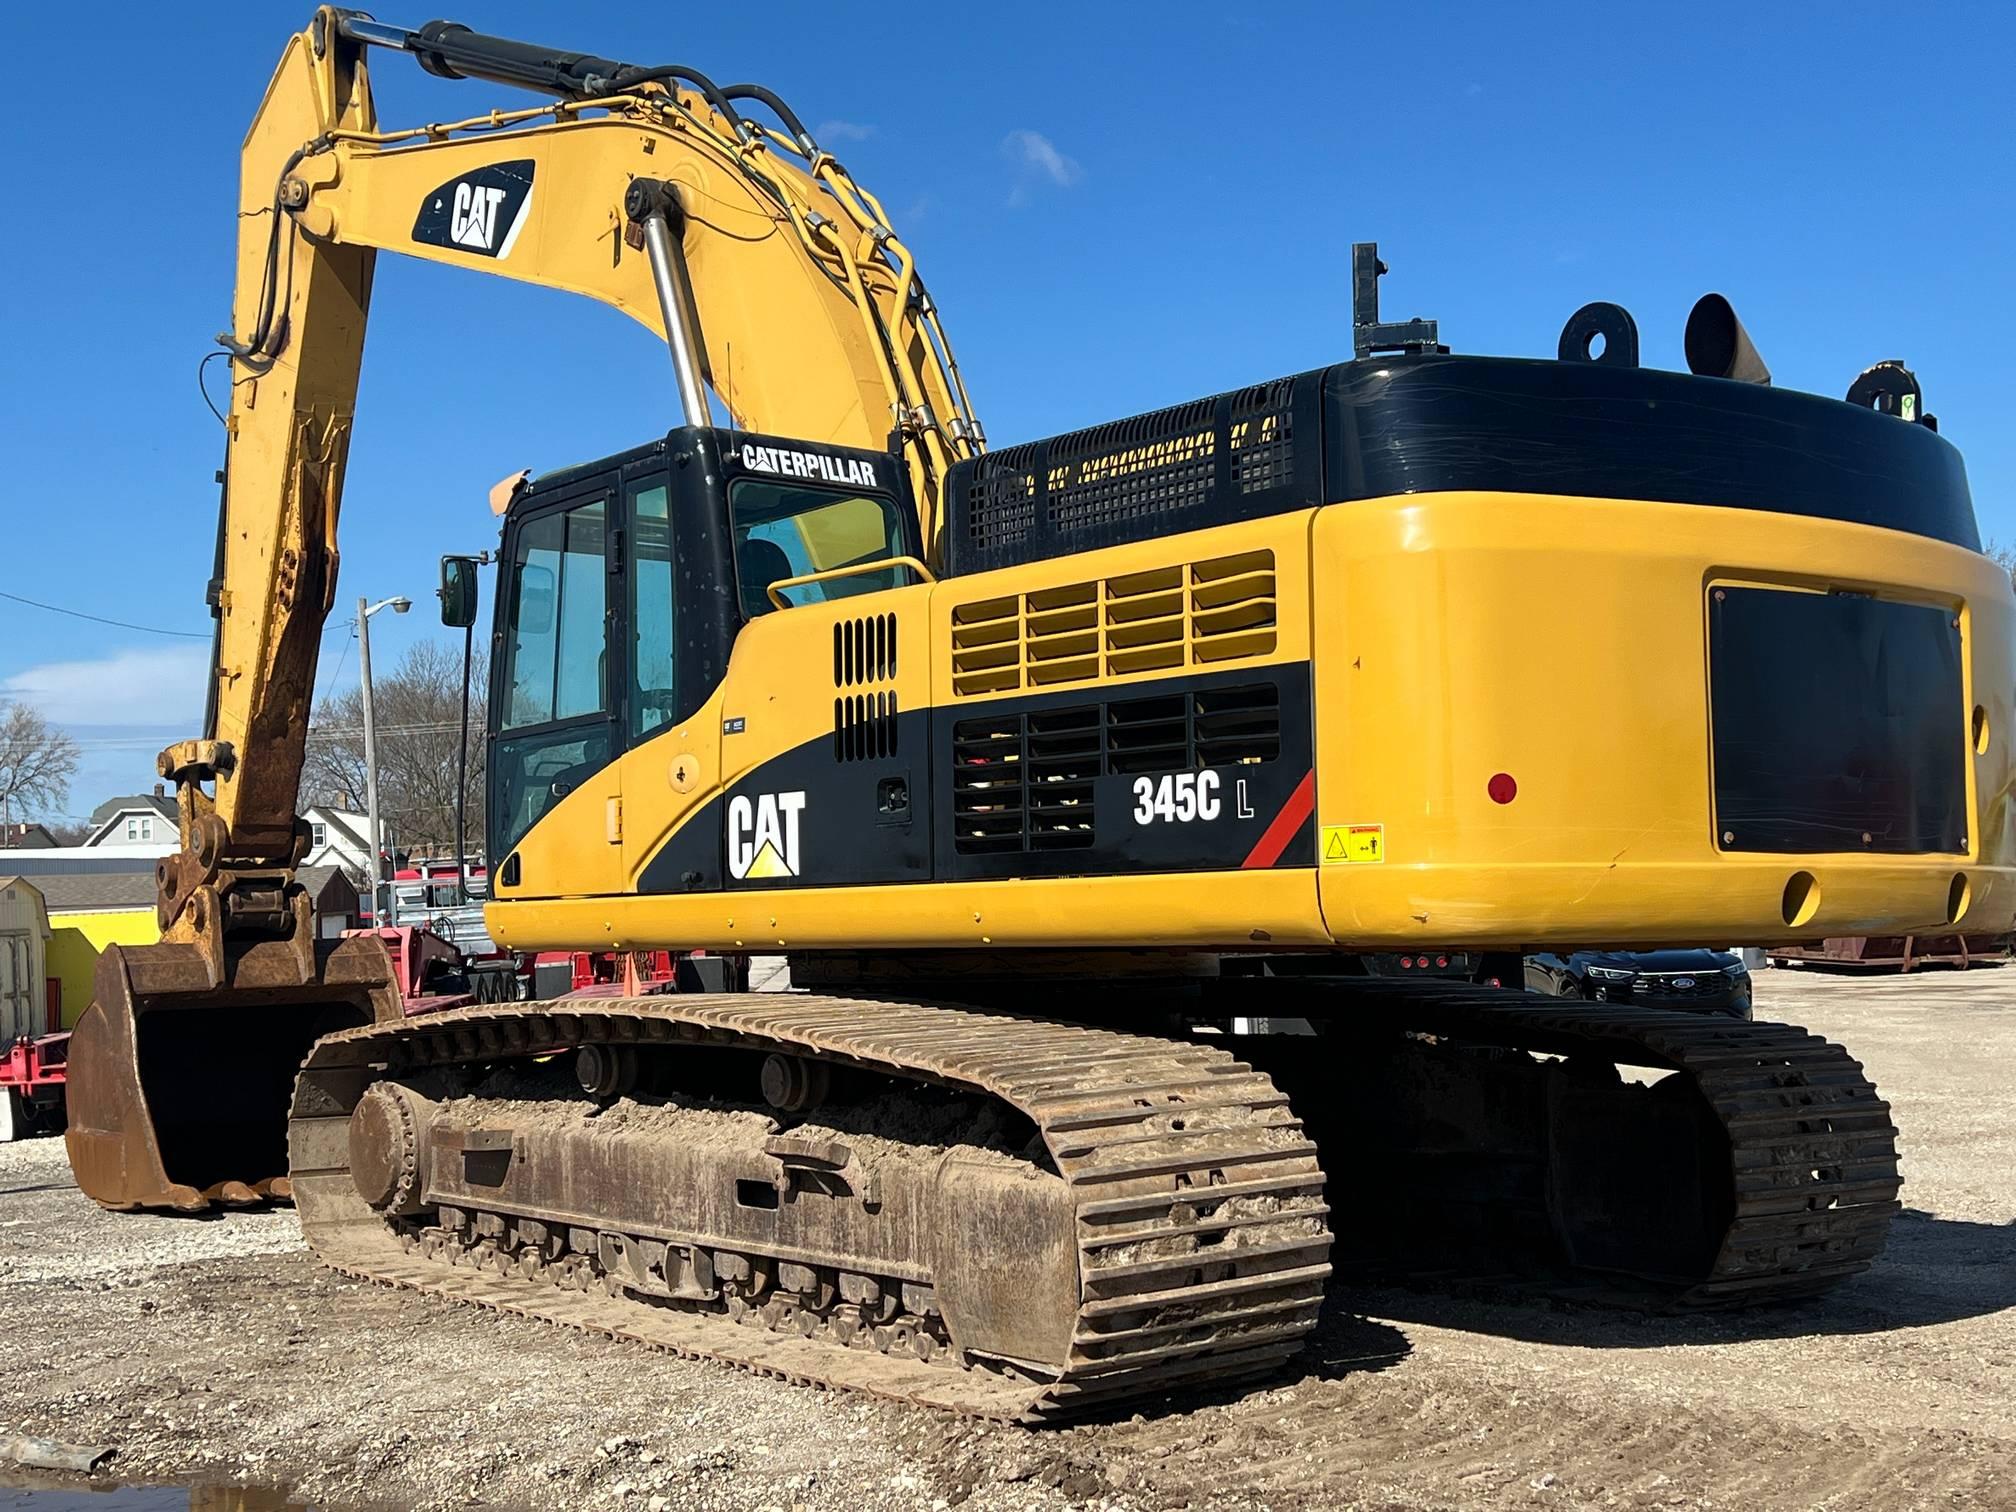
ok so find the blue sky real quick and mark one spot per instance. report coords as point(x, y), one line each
point(1116, 207)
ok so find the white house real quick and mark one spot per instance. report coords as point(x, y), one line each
point(337, 837)
point(140, 819)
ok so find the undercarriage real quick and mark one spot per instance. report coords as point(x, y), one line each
point(1018, 1218)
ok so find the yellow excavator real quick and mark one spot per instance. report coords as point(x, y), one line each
point(1062, 774)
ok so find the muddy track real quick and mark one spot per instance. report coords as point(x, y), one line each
point(1194, 1203)
point(1811, 1149)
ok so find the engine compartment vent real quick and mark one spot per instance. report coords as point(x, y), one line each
point(1204, 613)
point(864, 726)
point(864, 650)
point(987, 785)
point(1027, 781)
point(1234, 456)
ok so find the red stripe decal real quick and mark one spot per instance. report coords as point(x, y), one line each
point(1294, 813)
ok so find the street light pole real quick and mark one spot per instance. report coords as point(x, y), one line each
point(365, 609)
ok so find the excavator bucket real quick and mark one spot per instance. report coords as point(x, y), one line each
point(182, 1068)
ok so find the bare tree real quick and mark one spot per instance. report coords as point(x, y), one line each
point(418, 709)
point(2004, 556)
point(37, 761)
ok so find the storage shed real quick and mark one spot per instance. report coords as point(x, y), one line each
point(25, 1002)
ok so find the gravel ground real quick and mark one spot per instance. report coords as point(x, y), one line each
point(218, 1352)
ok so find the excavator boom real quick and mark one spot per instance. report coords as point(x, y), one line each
point(784, 298)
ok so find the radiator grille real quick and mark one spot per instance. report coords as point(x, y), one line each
point(987, 786)
point(1025, 782)
point(1234, 456)
point(1200, 614)
point(1135, 469)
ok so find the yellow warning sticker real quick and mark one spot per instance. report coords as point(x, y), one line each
point(1348, 844)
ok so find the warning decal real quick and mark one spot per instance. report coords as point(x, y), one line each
point(1347, 844)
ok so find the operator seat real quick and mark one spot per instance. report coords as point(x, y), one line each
point(758, 564)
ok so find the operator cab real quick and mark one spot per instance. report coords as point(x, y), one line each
point(622, 584)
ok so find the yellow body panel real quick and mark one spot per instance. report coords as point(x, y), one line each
point(1452, 637)
point(1239, 911)
point(1563, 641)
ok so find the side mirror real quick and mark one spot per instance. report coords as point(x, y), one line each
point(458, 591)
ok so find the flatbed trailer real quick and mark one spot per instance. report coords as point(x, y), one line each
point(1900, 952)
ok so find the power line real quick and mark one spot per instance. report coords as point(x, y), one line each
point(101, 620)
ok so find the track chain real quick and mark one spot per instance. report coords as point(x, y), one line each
point(1198, 1202)
point(1812, 1147)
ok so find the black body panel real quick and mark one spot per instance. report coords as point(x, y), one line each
point(838, 825)
point(1839, 724)
point(839, 817)
point(1391, 426)
point(1064, 794)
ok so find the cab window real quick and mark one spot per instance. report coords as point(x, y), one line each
point(556, 669)
point(653, 613)
point(783, 530)
point(559, 625)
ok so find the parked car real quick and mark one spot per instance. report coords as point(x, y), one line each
point(1696, 981)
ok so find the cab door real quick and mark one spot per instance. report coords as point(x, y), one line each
point(675, 647)
point(555, 788)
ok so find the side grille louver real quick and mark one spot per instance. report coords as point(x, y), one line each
point(1024, 782)
point(1199, 614)
point(864, 652)
point(987, 785)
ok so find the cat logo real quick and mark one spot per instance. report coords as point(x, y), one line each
point(481, 212)
point(473, 221)
point(763, 835)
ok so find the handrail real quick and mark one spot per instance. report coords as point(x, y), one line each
point(852, 569)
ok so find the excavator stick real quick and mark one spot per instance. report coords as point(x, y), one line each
point(181, 1073)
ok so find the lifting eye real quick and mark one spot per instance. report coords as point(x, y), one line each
point(1602, 333)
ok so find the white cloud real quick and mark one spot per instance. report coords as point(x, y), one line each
point(1037, 161)
point(139, 687)
point(828, 132)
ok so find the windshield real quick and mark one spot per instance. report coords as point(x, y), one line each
point(783, 530)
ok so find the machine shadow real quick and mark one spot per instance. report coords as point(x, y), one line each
point(1933, 1270)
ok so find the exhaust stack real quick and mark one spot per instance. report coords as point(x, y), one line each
point(1719, 347)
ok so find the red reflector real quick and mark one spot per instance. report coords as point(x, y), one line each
point(1405, 962)
point(1441, 960)
point(1493, 982)
point(1502, 788)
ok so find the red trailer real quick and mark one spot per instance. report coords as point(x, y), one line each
point(33, 1047)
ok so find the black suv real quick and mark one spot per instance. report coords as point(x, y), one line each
point(1695, 981)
